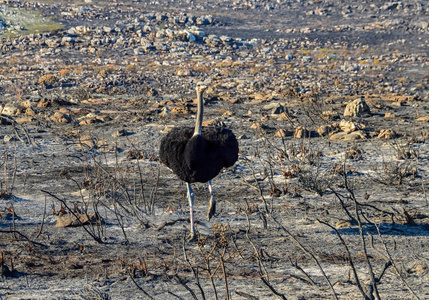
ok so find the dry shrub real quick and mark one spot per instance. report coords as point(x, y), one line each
point(48, 80)
point(64, 72)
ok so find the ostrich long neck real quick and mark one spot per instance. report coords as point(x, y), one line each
point(199, 120)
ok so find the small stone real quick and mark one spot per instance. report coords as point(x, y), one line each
point(349, 126)
point(118, 133)
point(389, 115)
point(278, 110)
point(10, 110)
point(255, 125)
point(301, 132)
point(422, 119)
point(342, 224)
point(324, 130)
point(77, 219)
point(356, 135)
point(386, 134)
point(30, 111)
point(60, 117)
point(420, 269)
point(283, 133)
point(165, 112)
point(8, 138)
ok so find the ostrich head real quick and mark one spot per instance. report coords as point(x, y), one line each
point(201, 87)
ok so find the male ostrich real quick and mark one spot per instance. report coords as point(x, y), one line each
point(198, 154)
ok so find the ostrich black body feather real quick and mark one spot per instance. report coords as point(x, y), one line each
point(198, 158)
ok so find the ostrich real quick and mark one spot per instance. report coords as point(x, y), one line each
point(198, 154)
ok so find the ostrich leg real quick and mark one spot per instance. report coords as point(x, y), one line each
point(212, 204)
point(191, 211)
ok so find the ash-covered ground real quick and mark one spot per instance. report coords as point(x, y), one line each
point(329, 102)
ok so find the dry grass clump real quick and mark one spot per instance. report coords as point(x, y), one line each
point(48, 80)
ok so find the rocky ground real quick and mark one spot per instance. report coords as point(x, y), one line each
point(329, 102)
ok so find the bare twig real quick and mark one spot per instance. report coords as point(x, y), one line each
point(246, 295)
point(350, 260)
point(228, 297)
point(307, 252)
point(194, 271)
point(182, 282)
point(394, 265)
point(140, 288)
point(362, 238)
point(43, 221)
point(295, 265)
point(24, 236)
point(279, 295)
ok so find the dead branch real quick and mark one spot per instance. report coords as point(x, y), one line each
point(182, 282)
point(246, 295)
point(280, 296)
point(307, 252)
point(140, 288)
point(163, 224)
point(43, 221)
point(225, 278)
point(24, 236)
point(350, 260)
point(295, 265)
point(394, 265)
point(194, 271)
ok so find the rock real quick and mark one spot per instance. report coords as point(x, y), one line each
point(386, 134)
point(77, 219)
point(389, 115)
point(10, 110)
point(420, 269)
point(86, 141)
point(118, 133)
point(349, 126)
point(52, 43)
point(185, 72)
point(422, 119)
point(301, 132)
point(357, 108)
point(255, 125)
point(356, 135)
point(342, 224)
point(30, 111)
point(324, 130)
point(165, 112)
point(60, 117)
point(278, 110)
point(283, 133)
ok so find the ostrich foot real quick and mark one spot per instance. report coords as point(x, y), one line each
point(212, 208)
point(192, 237)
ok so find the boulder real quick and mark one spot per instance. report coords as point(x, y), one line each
point(357, 108)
